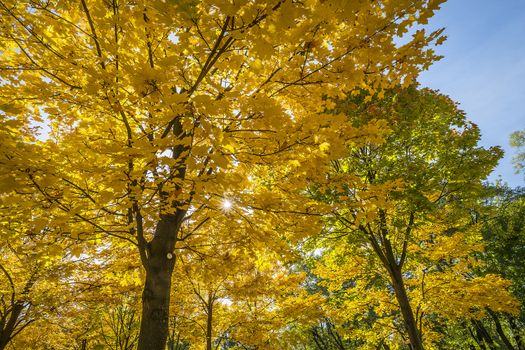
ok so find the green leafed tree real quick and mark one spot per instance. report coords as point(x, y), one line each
point(400, 249)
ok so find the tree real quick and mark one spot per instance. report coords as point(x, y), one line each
point(36, 271)
point(517, 140)
point(50, 277)
point(402, 226)
point(502, 230)
point(159, 109)
point(119, 328)
point(505, 239)
point(31, 262)
point(256, 297)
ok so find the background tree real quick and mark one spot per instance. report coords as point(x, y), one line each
point(38, 271)
point(517, 140)
point(502, 227)
point(504, 235)
point(236, 291)
point(120, 326)
point(402, 237)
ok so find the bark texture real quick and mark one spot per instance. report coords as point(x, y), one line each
point(159, 264)
point(406, 309)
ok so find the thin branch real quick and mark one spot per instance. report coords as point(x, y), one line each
point(405, 242)
point(95, 38)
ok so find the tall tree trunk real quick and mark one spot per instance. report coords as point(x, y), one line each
point(155, 309)
point(482, 333)
point(476, 336)
point(159, 264)
point(515, 332)
point(406, 309)
point(499, 329)
point(394, 266)
point(158, 256)
point(209, 322)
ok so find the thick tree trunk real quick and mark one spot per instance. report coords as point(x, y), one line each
point(154, 326)
point(155, 310)
point(158, 256)
point(406, 309)
point(4, 340)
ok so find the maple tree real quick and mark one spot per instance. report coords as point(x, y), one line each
point(502, 227)
point(36, 273)
point(402, 226)
point(157, 110)
point(248, 303)
point(30, 263)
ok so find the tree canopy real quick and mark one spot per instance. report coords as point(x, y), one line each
point(234, 174)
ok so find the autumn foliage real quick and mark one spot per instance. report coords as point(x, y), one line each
point(235, 175)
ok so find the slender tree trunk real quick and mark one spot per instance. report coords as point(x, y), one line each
point(209, 323)
point(319, 342)
point(499, 329)
point(394, 266)
point(154, 326)
point(477, 338)
point(515, 332)
point(406, 309)
point(335, 336)
point(482, 333)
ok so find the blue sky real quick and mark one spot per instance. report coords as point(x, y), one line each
point(484, 69)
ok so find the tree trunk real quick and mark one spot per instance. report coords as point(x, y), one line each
point(476, 336)
point(319, 342)
point(515, 332)
point(406, 309)
point(499, 329)
point(394, 267)
point(154, 326)
point(209, 323)
point(4, 340)
point(6, 333)
point(482, 333)
point(155, 310)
